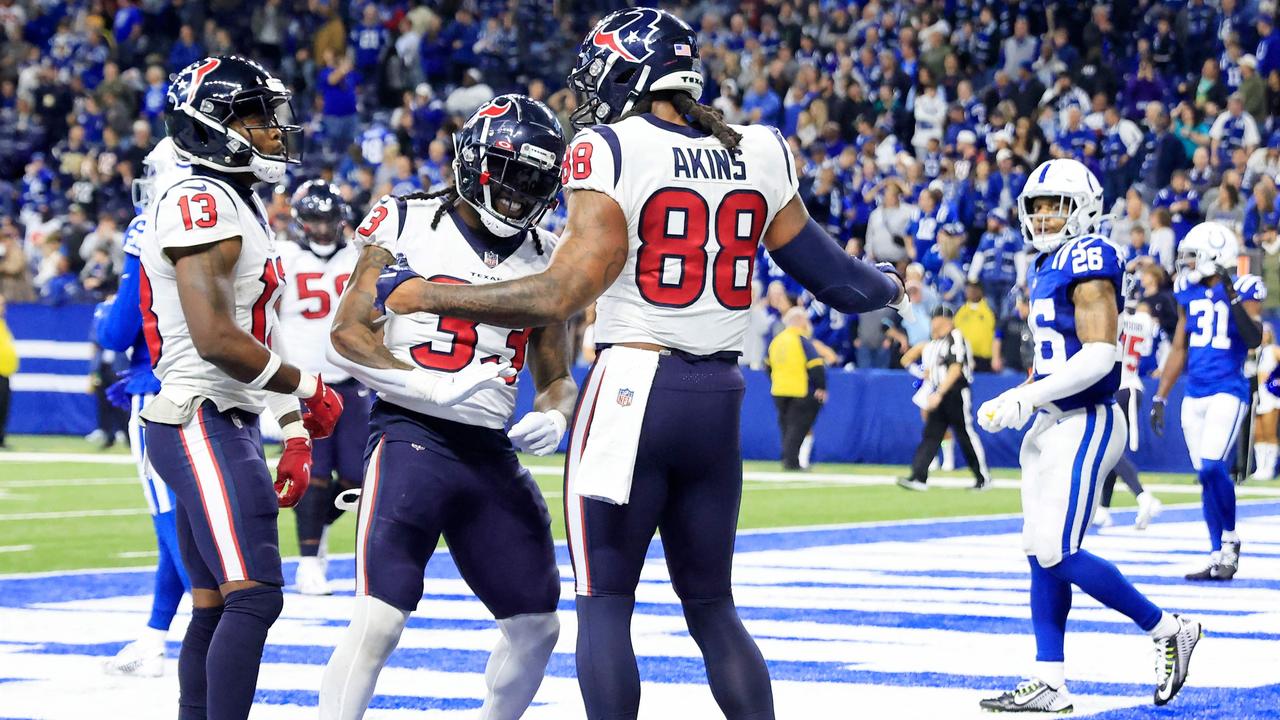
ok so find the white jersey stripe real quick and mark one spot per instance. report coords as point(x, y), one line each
point(1084, 512)
point(575, 517)
point(364, 521)
point(213, 498)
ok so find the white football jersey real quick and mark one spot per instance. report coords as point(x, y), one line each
point(1137, 341)
point(308, 302)
point(442, 345)
point(192, 211)
point(695, 215)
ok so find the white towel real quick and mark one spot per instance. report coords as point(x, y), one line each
point(608, 462)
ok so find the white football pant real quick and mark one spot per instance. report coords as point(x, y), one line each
point(1065, 457)
point(1210, 426)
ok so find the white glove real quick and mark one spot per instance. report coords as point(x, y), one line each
point(446, 390)
point(1009, 410)
point(538, 432)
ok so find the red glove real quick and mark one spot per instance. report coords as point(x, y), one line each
point(322, 411)
point(293, 474)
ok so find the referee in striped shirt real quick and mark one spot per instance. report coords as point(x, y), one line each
point(948, 371)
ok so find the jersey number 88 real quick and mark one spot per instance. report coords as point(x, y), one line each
point(671, 263)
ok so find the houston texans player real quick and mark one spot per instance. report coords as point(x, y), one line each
point(120, 330)
point(208, 288)
point(1218, 324)
point(438, 460)
point(317, 265)
point(1078, 435)
point(668, 205)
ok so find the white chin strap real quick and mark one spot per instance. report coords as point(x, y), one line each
point(267, 169)
point(324, 251)
point(495, 226)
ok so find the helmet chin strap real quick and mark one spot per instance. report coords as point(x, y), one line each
point(323, 251)
point(495, 226)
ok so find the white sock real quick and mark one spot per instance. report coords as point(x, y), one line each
point(948, 455)
point(352, 672)
point(517, 664)
point(1215, 557)
point(1053, 673)
point(1265, 455)
point(806, 450)
point(1230, 536)
point(1167, 626)
point(152, 639)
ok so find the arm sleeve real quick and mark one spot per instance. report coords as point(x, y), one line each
point(195, 212)
point(280, 405)
point(119, 328)
point(1090, 364)
point(818, 263)
point(813, 364)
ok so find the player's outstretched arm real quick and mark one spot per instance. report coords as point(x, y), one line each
point(807, 253)
point(1246, 314)
point(591, 253)
point(356, 334)
point(1177, 359)
point(119, 329)
point(206, 290)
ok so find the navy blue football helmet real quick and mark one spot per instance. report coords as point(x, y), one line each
point(320, 217)
point(628, 54)
point(506, 162)
point(209, 95)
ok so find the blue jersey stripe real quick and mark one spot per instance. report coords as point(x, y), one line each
point(615, 148)
point(1077, 469)
point(1110, 412)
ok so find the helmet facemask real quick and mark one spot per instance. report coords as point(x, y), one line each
point(1038, 227)
point(273, 113)
point(510, 194)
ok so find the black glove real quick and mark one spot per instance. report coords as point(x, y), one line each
point(1157, 416)
point(1228, 285)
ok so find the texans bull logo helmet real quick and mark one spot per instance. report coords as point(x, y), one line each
point(507, 162)
point(628, 54)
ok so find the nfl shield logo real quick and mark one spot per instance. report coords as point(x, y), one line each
point(491, 258)
point(625, 396)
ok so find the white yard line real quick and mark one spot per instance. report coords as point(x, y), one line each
point(68, 482)
point(65, 514)
point(15, 548)
point(139, 554)
point(52, 457)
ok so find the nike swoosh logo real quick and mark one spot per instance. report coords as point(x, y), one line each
point(199, 187)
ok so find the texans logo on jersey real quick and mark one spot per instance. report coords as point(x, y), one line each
point(630, 40)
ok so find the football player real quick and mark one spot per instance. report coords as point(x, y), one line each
point(317, 267)
point(120, 330)
point(208, 287)
point(1077, 436)
point(1138, 334)
point(439, 461)
point(1218, 324)
point(668, 205)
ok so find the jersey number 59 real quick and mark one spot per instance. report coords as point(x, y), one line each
point(671, 263)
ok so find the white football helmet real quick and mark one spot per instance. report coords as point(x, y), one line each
point(161, 164)
point(1080, 202)
point(1207, 247)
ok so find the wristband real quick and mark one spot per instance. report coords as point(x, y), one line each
point(1157, 399)
point(294, 430)
point(268, 371)
point(308, 384)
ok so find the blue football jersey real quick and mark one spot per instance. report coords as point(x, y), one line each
point(1215, 351)
point(1053, 314)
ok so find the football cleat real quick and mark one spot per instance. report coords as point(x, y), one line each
point(1102, 518)
point(1032, 695)
point(1173, 658)
point(1230, 560)
point(137, 660)
point(910, 484)
point(1149, 506)
point(311, 578)
point(983, 484)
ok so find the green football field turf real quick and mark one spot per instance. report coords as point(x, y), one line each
point(61, 514)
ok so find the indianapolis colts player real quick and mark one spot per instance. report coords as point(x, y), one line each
point(1218, 324)
point(1078, 435)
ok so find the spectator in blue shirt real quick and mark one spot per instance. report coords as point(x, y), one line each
point(460, 38)
point(995, 263)
point(1268, 52)
point(128, 22)
point(185, 50)
point(762, 104)
point(1183, 203)
point(369, 39)
point(338, 83)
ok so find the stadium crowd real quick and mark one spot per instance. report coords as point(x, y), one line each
point(913, 123)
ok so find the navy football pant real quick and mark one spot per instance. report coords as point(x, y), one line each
point(341, 453)
point(688, 485)
point(426, 478)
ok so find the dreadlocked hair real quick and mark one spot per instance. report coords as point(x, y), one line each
point(448, 196)
point(703, 117)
